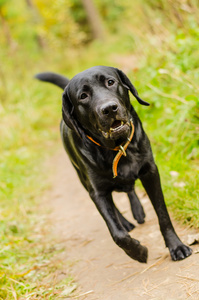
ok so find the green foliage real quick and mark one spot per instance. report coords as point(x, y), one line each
point(112, 13)
point(28, 261)
point(167, 77)
point(29, 257)
point(79, 16)
point(56, 25)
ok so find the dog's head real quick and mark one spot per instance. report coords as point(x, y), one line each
point(96, 102)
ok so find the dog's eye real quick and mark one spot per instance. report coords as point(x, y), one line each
point(110, 82)
point(83, 96)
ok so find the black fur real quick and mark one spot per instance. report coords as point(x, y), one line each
point(94, 102)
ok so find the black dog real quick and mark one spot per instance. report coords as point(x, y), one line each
point(109, 149)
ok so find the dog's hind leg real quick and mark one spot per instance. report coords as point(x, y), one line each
point(136, 207)
point(125, 223)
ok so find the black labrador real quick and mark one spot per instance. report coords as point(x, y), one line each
point(109, 149)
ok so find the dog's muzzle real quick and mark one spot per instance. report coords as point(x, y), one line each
point(117, 129)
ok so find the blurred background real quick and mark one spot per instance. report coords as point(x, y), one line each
point(155, 42)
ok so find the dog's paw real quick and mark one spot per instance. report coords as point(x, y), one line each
point(142, 257)
point(141, 254)
point(139, 214)
point(181, 252)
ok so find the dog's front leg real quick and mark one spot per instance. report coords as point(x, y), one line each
point(152, 185)
point(107, 209)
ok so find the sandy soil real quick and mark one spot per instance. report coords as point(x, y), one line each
point(101, 269)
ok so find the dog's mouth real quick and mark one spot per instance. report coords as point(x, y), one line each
point(117, 128)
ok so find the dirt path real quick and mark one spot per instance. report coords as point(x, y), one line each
point(101, 269)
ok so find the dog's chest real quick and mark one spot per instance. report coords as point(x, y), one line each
point(127, 173)
point(128, 168)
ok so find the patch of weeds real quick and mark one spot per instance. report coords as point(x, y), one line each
point(31, 267)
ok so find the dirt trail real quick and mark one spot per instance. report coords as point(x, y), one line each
point(101, 269)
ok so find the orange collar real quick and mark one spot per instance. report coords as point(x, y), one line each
point(121, 149)
point(114, 149)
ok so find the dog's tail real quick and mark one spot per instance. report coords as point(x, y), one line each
point(54, 78)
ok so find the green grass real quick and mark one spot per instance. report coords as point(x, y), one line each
point(170, 85)
point(29, 257)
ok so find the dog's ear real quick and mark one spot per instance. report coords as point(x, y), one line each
point(127, 83)
point(67, 114)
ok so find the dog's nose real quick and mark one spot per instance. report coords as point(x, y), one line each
point(109, 108)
